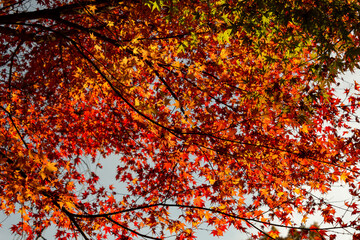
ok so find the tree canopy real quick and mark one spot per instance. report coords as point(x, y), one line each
point(220, 112)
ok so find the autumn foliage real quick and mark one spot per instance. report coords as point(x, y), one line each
point(221, 113)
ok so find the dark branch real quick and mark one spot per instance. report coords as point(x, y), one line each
point(130, 230)
point(51, 13)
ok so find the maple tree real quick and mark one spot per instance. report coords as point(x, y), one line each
point(220, 112)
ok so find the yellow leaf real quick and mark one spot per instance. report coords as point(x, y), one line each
point(222, 207)
point(61, 204)
point(274, 235)
point(304, 219)
point(50, 167)
point(42, 174)
point(212, 181)
point(343, 176)
point(92, 8)
point(110, 23)
point(208, 215)
point(223, 53)
point(92, 36)
point(135, 50)
point(280, 194)
point(177, 104)
point(47, 208)
point(69, 205)
point(97, 47)
point(305, 129)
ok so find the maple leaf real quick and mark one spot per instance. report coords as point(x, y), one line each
point(92, 8)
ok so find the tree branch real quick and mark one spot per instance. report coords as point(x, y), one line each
point(51, 13)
